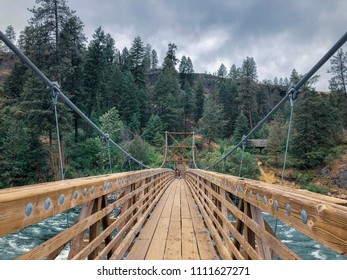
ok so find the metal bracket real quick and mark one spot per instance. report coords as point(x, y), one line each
point(107, 139)
point(55, 92)
point(293, 94)
point(244, 142)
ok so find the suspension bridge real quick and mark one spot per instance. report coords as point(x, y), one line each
point(186, 213)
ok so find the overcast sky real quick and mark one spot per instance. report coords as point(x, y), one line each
point(279, 34)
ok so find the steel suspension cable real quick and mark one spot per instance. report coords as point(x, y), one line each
point(293, 90)
point(193, 151)
point(244, 141)
point(165, 151)
point(107, 139)
point(292, 103)
point(55, 96)
point(67, 101)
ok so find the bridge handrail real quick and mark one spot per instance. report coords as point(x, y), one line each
point(27, 205)
point(320, 217)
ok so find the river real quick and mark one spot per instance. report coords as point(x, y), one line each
point(20, 242)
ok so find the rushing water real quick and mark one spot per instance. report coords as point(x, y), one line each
point(20, 242)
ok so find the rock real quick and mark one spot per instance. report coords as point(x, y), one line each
point(325, 171)
point(341, 179)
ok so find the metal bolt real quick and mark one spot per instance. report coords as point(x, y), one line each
point(29, 209)
point(47, 203)
point(304, 216)
point(61, 199)
point(276, 205)
point(288, 209)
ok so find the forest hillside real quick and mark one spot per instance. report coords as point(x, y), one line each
point(135, 98)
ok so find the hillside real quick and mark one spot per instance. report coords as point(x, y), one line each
point(333, 176)
point(7, 61)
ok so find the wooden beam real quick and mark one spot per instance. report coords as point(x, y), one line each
point(320, 217)
point(27, 205)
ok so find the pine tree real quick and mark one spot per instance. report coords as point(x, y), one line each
point(277, 138)
point(211, 124)
point(338, 82)
point(153, 132)
point(166, 94)
point(187, 105)
point(234, 73)
point(49, 18)
point(11, 35)
point(227, 96)
point(124, 60)
point(98, 65)
point(222, 71)
point(72, 46)
point(22, 157)
point(248, 88)
point(154, 59)
point(137, 67)
point(313, 128)
point(241, 128)
point(129, 103)
point(186, 71)
point(199, 102)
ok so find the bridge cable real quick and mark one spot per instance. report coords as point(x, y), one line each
point(244, 141)
point(107, 139)
point(294, 90)
point(193, 151)
point(55, 96)
point(129, 161)
point(165, 151)
point(292, 104)
point(65, 99)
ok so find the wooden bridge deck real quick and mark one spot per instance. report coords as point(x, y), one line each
point(175, 229)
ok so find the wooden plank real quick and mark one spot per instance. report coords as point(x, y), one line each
point(173, 250)
point(140, 248)
point(222, 250)
point(131, 234)
point(189, 244)
point(77, 242)
point(204, 242)
point(157, 247)
point(263, 248)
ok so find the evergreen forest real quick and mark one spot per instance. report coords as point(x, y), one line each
point(135, 97)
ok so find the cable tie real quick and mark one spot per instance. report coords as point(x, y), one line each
point(293, 94)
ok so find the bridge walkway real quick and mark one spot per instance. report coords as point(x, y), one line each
point(175, 229)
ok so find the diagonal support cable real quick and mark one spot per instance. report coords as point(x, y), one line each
point(55, 96)
point(63, 97)
point(294, 90)
point(292, 103)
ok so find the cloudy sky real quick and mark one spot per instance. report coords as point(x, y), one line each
point(279, 34)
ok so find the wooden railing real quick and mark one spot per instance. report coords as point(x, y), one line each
point(218, 196)
point(104, 230)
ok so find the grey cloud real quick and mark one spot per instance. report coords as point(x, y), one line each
point(280, 35)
